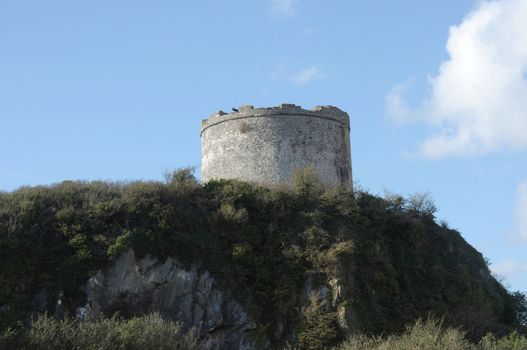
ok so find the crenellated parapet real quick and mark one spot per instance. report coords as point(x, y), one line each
point(283, 110)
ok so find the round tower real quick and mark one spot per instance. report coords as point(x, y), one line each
point(267, 145)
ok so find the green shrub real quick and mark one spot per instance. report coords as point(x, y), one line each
point(421, 336)
point(429, 335)
point(11, 338)
point(307, 183)
point(512, 341)
point(148, 332)
point(319, 327)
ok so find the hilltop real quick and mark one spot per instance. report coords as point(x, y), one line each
point(245, 266)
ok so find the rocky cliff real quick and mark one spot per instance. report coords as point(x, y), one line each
point(142, 286)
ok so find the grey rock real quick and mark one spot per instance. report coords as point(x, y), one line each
point(82, 313)
point(137, 286)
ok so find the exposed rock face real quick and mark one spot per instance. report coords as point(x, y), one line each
point(136, 287)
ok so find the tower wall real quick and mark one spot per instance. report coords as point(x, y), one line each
point(267, 145)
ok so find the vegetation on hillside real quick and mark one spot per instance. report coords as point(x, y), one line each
point(152, 332)
point(138, 333)
point(430, 335)
point(396, 262)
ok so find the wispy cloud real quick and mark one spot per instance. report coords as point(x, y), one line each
point(301, 77)
point(478, 100)
point(283, 8)
point(521, 210)
point(508, 268)
point(307, 75)
point(511, 273)
point(396, 103)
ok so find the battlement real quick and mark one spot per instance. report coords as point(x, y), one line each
point(283, 110)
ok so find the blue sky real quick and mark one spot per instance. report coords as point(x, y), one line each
point(436, 92)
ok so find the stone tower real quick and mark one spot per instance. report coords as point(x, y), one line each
point(267, 145)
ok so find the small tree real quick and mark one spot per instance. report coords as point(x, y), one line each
point(181, 180)
point(421, 204)
point(394, 201)
point(180, 175)
point(319, 326)
point(307, 183)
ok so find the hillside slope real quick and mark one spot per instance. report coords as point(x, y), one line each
point(306, 266)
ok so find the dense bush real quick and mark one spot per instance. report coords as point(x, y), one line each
point(319, 328)
point(395, 262)
point(429, 335)
point(152, 332)
point(148, 332)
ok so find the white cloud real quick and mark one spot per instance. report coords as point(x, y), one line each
point(283, 8)
point(301, 77)
point(521, 210)
point(478, 100)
